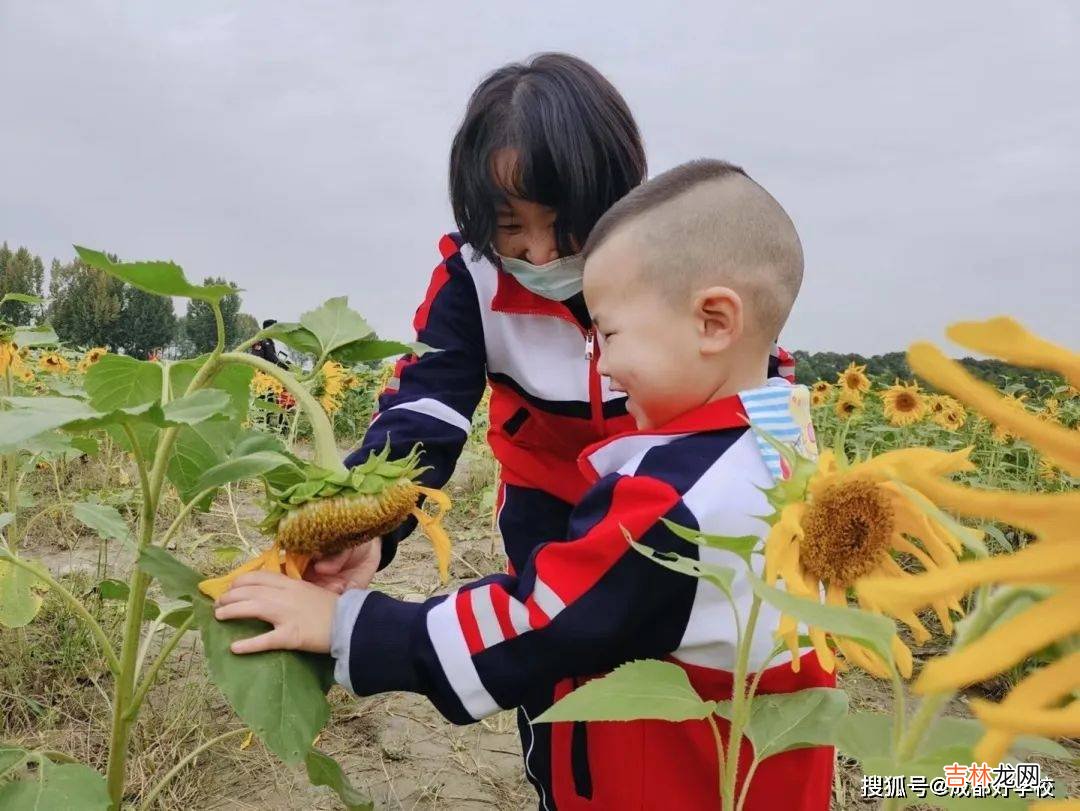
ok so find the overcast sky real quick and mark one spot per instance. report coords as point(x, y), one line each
point(929, 153)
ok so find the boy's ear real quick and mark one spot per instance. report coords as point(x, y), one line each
point(719, 315)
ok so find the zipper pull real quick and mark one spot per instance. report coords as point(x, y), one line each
point(590, 344)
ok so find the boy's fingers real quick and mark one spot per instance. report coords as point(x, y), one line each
point(247, 609)
point(273, 579)
point(271, 640)
point(239, 594)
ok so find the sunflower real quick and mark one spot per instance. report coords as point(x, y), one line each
point(23, 372)
point(9, 356)
point(1051, 560)
point(330, 387)
point(903, 404)
point(819, 398)
point(848, 405)
point(822, 386)
point(91, 357)
point(850, 523)
point(1047, 471)
point(262, 383)
point(54, 363)
point(946, 411)
point(999, 436)
point(853, 379)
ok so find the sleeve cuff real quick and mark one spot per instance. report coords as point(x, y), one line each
point(341, 632)
point(372, 642)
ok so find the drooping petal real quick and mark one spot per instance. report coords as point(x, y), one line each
point(1038, 563)
point(902, 656)
point(1055, 723)
point(1049, 516)
point(930, 461)
point(1004, 646)
point(1043, 688)
point(1055, 441)
point(1007, 339)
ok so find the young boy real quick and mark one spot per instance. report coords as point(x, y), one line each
point(688, 279)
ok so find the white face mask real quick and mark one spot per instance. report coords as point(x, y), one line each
point(558, 280)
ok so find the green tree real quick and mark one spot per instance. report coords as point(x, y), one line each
point(85, 305)
point(246, 326)
point(20, 272)
point(199, 331)
point(147, 322)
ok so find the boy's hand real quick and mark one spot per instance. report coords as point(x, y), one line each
point(302, 613)
point(353, 568)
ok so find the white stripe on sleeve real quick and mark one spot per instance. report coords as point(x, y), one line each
point(484, 611)
point(438, 410)
point(453, 652)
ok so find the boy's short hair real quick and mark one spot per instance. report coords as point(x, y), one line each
point(707, 222)
point(578, 148)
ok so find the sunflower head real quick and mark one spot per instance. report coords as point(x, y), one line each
point(329, 387)
point(822, 386)
point(846, 531)
point(54, 363)
point(848, 405)
point(854, 379)
point(903, 404)
point(94, 355)
point(262, 383)
point(9, 354)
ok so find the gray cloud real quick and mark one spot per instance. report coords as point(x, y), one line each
point(929, 153)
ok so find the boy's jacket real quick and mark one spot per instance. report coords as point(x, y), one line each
point(586, 604)
point(548, 402)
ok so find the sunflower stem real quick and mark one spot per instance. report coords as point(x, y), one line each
point(326, 452)
point(740, 705)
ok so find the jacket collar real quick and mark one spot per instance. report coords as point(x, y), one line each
point(511, 296)
point(608, 455)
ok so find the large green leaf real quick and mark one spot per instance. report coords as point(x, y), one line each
point(642, 689)
point(161, 278)
point(11, 758)
point(66, 786)
point(233, 379)
point(871, 630)
point(244, 467)
point(20, 600)
point(782, 721)
point(196, 450)
point(334, 325)
point(205, 405)
point(31, 416)
point(279, 694)
point(106, 521)
point(117, 381)
point(741, 545)
point(323, 770)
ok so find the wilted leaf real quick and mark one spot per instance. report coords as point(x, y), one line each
point(162, 278)
point(20, 600)
point(643, 689)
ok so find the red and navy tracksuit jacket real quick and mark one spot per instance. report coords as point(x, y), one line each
point(586, 602)
point(548, 402)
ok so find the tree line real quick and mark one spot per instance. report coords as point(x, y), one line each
point(87, 307)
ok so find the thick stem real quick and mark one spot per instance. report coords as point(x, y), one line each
point(148, 801)
point(326, 452)
point(76, 606)
point(740, 701)
point(719, 753)
point(899, 710)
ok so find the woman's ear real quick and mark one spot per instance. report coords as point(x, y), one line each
point(718, 312)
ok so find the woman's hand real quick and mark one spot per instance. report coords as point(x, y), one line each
point(353, 568)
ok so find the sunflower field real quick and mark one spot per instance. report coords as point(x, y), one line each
point(928, 549)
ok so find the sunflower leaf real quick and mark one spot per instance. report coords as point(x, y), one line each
point(719, 576)
point(742, 545)
point(323, 770)
point(635, 690)
point(161, 278)
point(785, 721)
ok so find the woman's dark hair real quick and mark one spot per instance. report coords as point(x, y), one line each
point(578, 148)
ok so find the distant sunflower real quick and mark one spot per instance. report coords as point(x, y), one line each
point(1047, 471)
point(1051, 410)
point(262, 383)
point(999, 436)
point(329, 386)
point(9, 356)
point(1050, 561)
point(819, 398)
point(946, 411)
point(54, 363)
point(853, 379)
point(823, 386)
point(847, 406)
point(903, 404)
point(853, 519)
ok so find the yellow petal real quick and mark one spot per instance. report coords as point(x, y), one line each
point(777, 543)
point(214, 587)
point(1055, 441)
point(1007, 339)
point(1038, 563)
point(902, 656)
point(433, 528)
point(1043, 688)
point(1053, 723)
point(821, 647)
point(1004, 646)
point(925, 460)
point(1049, 516)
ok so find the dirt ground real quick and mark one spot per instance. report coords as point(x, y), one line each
point(394, 747)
